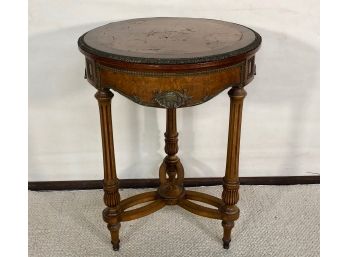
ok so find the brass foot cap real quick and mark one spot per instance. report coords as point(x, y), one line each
point(226, 244)
point(116, 246)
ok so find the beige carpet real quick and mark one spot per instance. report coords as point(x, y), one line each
point(275, 221)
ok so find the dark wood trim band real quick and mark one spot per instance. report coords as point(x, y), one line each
point(152, 183)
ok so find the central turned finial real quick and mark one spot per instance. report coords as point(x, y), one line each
point(171, 172)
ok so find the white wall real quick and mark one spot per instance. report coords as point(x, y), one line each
point(280, 133)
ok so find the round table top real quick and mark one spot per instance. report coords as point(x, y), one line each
point(169, 40)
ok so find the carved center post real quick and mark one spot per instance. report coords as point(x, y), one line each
point(171, 172)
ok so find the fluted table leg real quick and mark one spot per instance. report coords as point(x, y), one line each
point(230, 196)
point(111, 213)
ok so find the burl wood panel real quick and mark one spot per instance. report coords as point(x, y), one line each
point(170, 89)
point(192, 88)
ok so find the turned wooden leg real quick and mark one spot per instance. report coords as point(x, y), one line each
point(230, 196)
point(111, 213)
point(171, 188)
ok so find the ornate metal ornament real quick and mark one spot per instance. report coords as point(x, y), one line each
point(171, 99)
point(136, 99)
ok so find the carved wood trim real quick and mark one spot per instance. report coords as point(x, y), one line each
point(249, 69)
point(171, 74)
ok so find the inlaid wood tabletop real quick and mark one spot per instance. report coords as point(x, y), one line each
point(169, 40)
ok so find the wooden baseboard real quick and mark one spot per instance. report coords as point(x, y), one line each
point(188, 182)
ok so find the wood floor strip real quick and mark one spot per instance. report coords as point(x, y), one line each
point(153, 183)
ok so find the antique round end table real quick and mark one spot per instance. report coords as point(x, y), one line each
point(170, 63)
